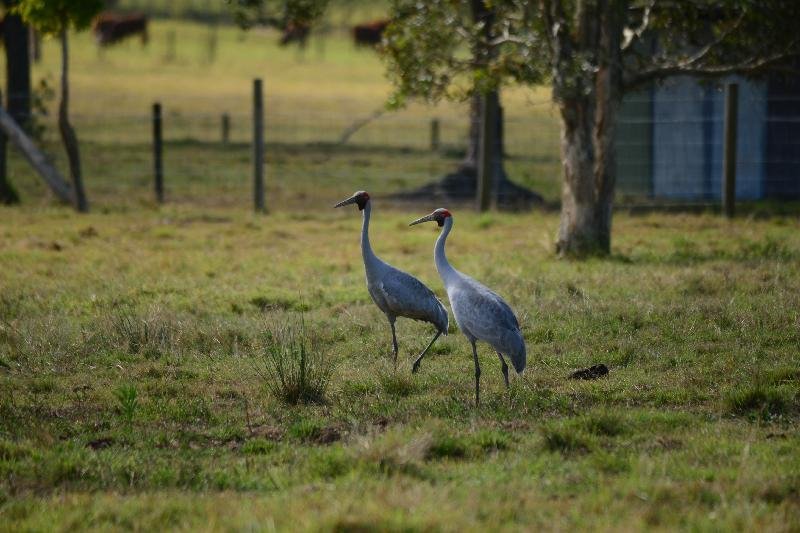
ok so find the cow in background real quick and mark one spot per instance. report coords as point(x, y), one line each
point(295, 32)
point(369, 33)
point(110, 28)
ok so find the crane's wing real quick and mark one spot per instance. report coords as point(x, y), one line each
point(409, 297)
point(486, 315)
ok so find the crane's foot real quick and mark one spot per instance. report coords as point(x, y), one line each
point(415, 366)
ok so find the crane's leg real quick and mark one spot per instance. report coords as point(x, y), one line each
point(419, 359)
point(394, 341)
point(505, 367)
point(477, 374)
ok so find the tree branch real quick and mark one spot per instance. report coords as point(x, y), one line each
point(753, 65)
point(632, 36)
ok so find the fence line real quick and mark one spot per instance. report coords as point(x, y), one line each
point(670, 158)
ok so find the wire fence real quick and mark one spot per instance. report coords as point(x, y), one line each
point(669, 150)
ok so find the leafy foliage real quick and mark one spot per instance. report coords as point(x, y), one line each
point(53, 16)
point(278, 13)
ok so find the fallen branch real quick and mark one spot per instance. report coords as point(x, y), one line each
point(360, 123)
point(36, 158)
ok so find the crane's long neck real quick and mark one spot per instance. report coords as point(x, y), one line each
point(366, 249)
point(446, 272)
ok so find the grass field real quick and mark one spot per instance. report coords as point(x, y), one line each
point(138, 343)
point(695, 427)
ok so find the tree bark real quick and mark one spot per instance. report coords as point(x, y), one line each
point(588, 125)
point(68, 133)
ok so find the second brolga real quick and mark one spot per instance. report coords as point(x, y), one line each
point(480, 313)
point(393, 291)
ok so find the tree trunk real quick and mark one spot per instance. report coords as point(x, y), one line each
point(588, 124)
point(67, 133)
point(18, 92)
point(587, 190)
point(18, 70)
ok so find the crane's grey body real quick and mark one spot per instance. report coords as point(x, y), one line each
point(481, 314)
point(395, 292)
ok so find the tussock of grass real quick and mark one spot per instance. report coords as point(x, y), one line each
point(491, 440)
point(306, 430)
point(566, 439)
point(765, 401)
point(294, 368)
point(152, 335)
point(394, 452)
point(258, 446)
point(604, 424)
point(398, 384)
point(448, 446)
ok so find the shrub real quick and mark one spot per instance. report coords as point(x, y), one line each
point(294, 369)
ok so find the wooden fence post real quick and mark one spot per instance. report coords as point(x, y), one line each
point(434, 135)
point(486, 148)
point(729, 155)
point(226, 128)
point(157, 153)
point(258, 146)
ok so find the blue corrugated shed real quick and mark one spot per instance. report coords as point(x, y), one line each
point(670, 140)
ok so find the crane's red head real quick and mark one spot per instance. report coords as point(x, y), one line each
point(439, 216)
point(360, 198)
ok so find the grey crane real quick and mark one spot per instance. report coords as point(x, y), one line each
point(480, 313)
point(393, 291)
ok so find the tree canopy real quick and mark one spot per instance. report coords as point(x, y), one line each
point(558, 42)
point(53, 16)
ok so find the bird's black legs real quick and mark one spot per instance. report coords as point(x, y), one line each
point(394, 342)
point(477, 375)
point(415, 367)
point(505, 367)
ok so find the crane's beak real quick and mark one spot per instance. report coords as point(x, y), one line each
point(349, 201)
point(426, 218)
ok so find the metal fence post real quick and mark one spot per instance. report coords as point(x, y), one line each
point(729, 155)
point(157, 153)
point(258, 146)
point(434, 135)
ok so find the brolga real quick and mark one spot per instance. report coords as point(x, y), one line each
point(480, 313)
point(396, 293)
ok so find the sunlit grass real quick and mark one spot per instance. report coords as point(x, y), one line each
point(130, 340)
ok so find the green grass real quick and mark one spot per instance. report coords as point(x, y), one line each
point(129, 396)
